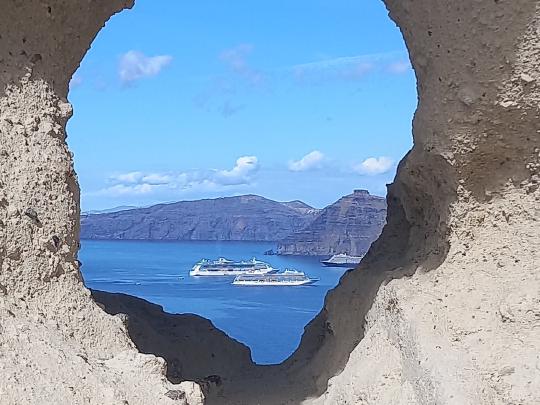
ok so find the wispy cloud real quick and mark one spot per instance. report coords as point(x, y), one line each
point(349, 68)
point(157, 179)
point(373, 166)
point(399, 67)
point(311, 161)
point(129, 178)
point(337, 66)
point(129, 189)
point(140, 183)
point(235, 59)
point(371, 58)
point(75, 81)
point(229, 109)
point(135, 65)
point(223, 91)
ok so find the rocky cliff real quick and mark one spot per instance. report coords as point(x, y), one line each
point(349, 226)
point(248, 218)
point(444, 308)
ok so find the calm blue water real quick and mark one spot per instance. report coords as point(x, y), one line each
point(270, 320)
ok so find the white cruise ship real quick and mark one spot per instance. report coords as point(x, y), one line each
point(225, 267)
point(287, 278)
point(342, 260)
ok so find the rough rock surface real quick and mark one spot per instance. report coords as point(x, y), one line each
point(242, 218)
point(301, 207)
point(348, 226)
point(464, 333)
point(56, 345)
point(457, 318)
point(193, 348)
point(443, 309)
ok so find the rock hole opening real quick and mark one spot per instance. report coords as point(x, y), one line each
point(125, 71)
point(451, 196)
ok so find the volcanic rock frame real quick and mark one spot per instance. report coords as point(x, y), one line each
point(444, 308)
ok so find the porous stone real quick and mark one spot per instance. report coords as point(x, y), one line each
point(443, 309)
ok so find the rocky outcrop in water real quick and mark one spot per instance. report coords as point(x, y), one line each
point(243, 218)
point(349, 226)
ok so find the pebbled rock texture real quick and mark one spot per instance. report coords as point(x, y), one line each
point(56, 345)
point(443, 309)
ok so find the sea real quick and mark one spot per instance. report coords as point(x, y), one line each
point(269, 320)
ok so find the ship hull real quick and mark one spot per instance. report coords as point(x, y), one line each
point(232, 273)
point(349, 265)
point(273, 284)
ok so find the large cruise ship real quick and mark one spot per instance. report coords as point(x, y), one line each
point(342, 260)
point(225, 267)
point(287, 278)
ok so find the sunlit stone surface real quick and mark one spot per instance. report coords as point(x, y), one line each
point(442, 310)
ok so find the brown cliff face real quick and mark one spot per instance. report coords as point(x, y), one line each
point(349, 226)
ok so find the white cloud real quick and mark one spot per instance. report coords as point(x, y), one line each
point(373, 166)
point(350, 68)
point(312, 160)
point(221, 91)
point(138, 183)
point(76, 81)
point(399, 67)
point(336, 63)
point(241, 173)
point(346, 68)
point(130, 178)
point(236, 59)
point(130, 189)
point(135, 65)
point(157, 179)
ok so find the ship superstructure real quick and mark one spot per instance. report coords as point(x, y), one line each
point(286, 278)
point(225, 267)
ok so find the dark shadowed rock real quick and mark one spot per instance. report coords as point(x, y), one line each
point(193, 348)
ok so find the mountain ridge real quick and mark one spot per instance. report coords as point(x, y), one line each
point(348, 226)
point(247, 217)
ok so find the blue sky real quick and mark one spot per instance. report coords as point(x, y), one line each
point(199, 99)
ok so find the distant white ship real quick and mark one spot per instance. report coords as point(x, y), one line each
point(287, 278)
point(225, 267)
point(342, 260)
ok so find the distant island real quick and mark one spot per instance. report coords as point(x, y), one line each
point(349, 225)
